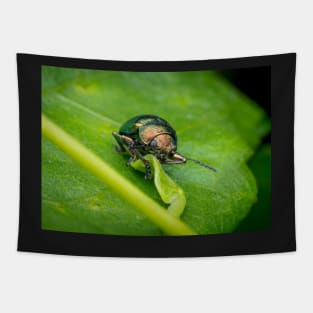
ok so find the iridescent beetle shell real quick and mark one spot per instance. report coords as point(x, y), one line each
point(144, 134)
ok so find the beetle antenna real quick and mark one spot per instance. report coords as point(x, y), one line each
point(202, 164)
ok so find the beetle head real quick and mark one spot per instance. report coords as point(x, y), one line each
point(163, 144)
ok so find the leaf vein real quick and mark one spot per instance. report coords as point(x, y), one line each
point(83, 108)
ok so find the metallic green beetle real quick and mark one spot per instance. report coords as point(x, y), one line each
point(150, 134)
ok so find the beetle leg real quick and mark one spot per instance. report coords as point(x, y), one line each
point(132, 148)
point(120, 148)
point(131, 159)
point(148, 174)
point(136, 154)
point(121, 139)
point(176, 158)
point(171, 162)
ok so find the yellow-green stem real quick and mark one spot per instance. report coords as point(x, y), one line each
point(158, 215)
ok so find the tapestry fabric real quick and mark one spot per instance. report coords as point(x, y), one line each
point(156, 159)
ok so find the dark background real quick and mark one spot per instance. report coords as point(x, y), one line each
point(254, 82)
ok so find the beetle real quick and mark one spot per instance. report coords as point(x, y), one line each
point(150, 134)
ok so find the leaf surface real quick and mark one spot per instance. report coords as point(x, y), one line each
point(215, 124)
point(168, 190)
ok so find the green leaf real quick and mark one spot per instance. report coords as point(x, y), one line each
point(168, 223)
point(168, 190)
point(215, 124)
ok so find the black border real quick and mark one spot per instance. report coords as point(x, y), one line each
point(280, 238)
